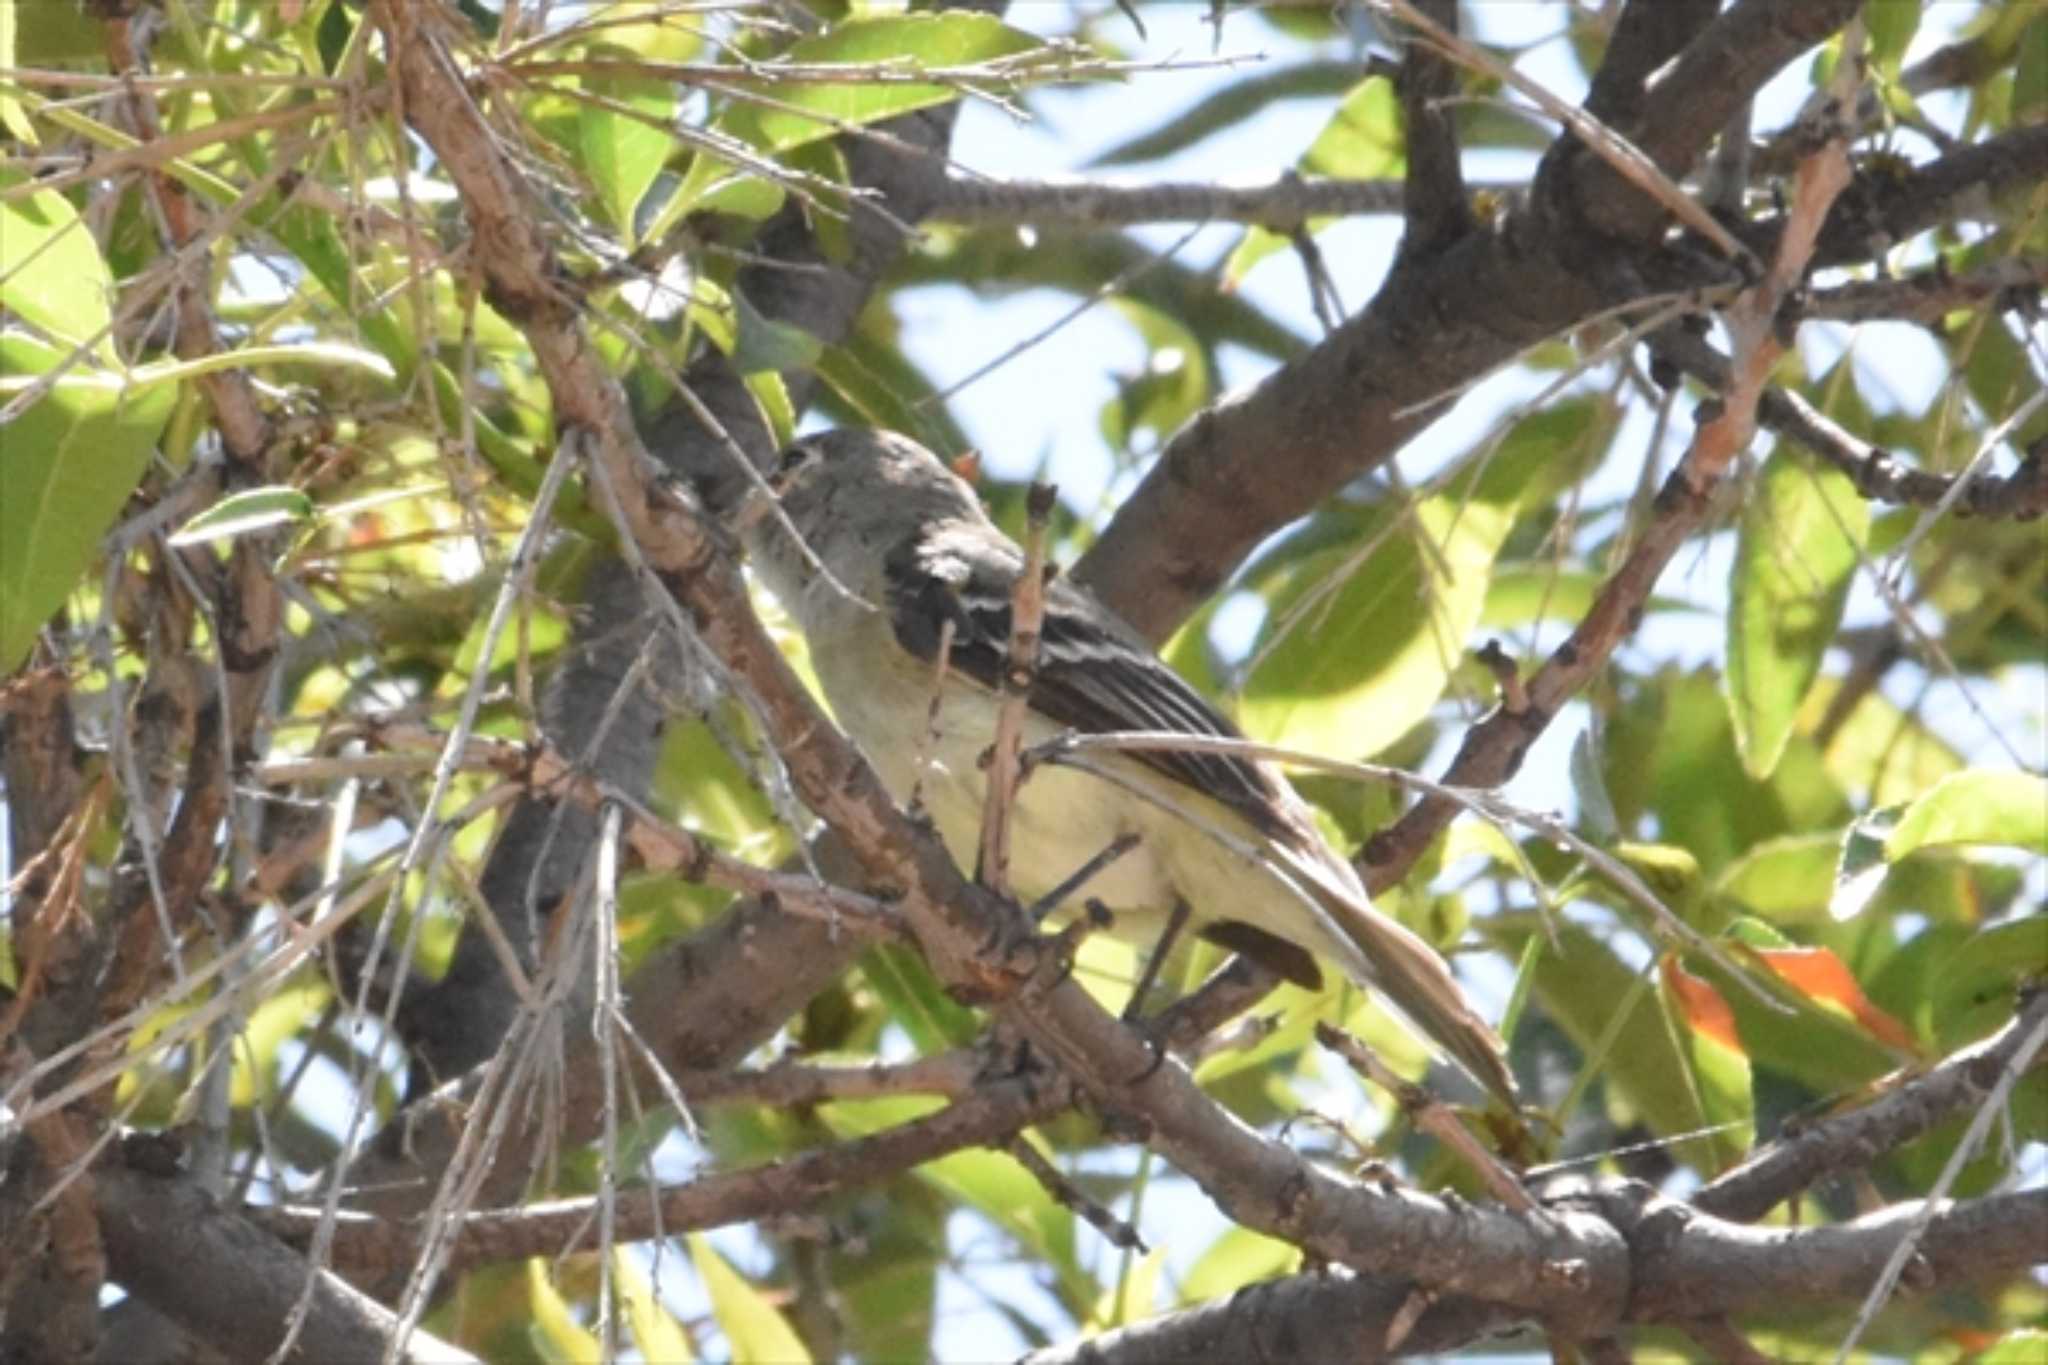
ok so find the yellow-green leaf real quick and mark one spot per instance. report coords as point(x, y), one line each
point(51, 272)
point(1793, 562)
point(754, 1328)
point(1977, 806)
point(67, 464)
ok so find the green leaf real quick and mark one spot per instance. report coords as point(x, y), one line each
point(11, 117)
point(2030, 78)
point(1366, 623)
point(1976, 987)
point(771, 395)
point(991, 1182)
point(1134, 1297)
point(2028, 1346)
point(1891, 24)
point(1581, 983)
point(810, 111)
point(754, 1328)
point(1977, 806)
point(1861, 867)
point(1171, 388)
point(1793, 562)
point(622, 154)
point(554, 1328)
point(1821, 1048)
point(916, 1000)
point(238, 514)
point(68, 464)
point(1787, 880)
point(51, 270)
point(1879, 751)
point(761, 343)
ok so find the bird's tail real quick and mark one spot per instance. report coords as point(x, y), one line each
point(1386, 957)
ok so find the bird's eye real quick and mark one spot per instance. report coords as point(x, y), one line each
point(795, 465)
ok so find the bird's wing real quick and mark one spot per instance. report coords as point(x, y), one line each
point(1092, 675)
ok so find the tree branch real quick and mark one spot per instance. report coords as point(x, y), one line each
point(1286, 203)
point(1438, 210)
point(2019, 496)
point(1854, 1139)
point(233, 1286)
point(1492, 751)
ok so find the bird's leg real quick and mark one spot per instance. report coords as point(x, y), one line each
point(1088, 871)
point(1175, 922)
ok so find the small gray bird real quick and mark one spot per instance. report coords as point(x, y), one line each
point(911, 550)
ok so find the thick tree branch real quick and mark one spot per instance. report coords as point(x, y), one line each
point(1928, 297)
point(1687, 1266)
point(1685, 109)
point(217, 1276)
point(1648, 34)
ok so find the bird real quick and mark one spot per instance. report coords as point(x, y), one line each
point(882, 555)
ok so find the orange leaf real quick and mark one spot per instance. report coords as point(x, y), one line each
point(1818, 974)
point(1701, 1004)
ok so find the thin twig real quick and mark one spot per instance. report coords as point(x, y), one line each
point(1429, 1114)
point(1020, 673)
point(1068, 1195)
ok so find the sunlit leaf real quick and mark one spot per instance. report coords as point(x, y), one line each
point(68, 464)
point(1366, 139)
point(1980, 806)
point(254, 509)
point(555, 1329)
point(1975, 988)
point(1861, 867)
point(623, 154)
point(808, 111)
point(51, 270)
point(755, 1330)
point(1793, 562)
point(1134, 1298)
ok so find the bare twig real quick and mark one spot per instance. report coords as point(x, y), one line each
point(1429, 1114)
point(1020, 673)
point(1068, 1195)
